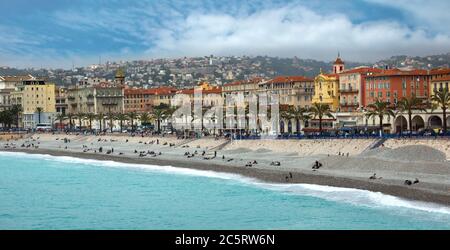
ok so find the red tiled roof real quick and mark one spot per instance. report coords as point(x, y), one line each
point(163, 90)
point(440, 79)
point(331, 75)
point(153, 91)
point(249, 81)
point(214, 90)
point(139, 91)
point(398, 72)
point(440, 71)
point(363, 70)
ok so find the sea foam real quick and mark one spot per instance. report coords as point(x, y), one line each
point(338, 194)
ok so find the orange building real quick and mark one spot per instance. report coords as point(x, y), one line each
point(391, 85)
point(143, 100)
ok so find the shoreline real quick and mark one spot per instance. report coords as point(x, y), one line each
point(269, 175)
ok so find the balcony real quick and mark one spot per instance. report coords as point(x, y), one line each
point(71, 98)
point(349, 104)
point(349, 91)
point(110, 103)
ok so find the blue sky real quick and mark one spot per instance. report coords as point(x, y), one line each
point(55, 33)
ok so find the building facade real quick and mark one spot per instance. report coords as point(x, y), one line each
point(37, 99)
point(393, 84)
point(352, 85)
point(295, 91)
point(103, 98)
point(8, 85)
point(326, 90)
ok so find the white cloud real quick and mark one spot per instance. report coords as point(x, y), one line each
point(168, 30)
point(294, 30)
point(430, 14)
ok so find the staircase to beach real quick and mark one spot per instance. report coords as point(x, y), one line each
point(376, 144)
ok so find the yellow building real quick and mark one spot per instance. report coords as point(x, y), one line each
point(326, 90)
point(37, 99)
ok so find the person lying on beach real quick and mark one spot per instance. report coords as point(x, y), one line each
point(374, 177)
point(254, 162)
point(416, 181)
point(275, 163)
point(408, 182)
point(229, 160)
point(249, 164)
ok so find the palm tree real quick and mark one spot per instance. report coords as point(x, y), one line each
point(299, 114)
point(442, 98)
point(6, 118)
point(90, 117)
point(159, 113)
point(144, 118)
point(16, 109)
point(286, 115)
point(380, 109)
point(100, 118)
point(80, 117)
point(39, 111)
point(111, 118)
point(132, 116)
point(70, 116)
point(320, 110)
point(408, 105)
point(60, 117)
point(121, 117)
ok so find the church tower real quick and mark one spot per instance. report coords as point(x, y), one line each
point(338, 65)
point(119, 77)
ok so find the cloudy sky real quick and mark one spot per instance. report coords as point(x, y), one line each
point(55, 33)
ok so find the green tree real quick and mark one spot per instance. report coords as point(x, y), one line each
point(299, 114)
point(16, 109)
point(111, 118)
point(100, 117)
point(132, 116)
point(442, 98)
point(80, 117)
point(145, 118)
point(380, 109)
point(320, 110)
point(159, 114)
point(408, 105)
point(6, 118)
point(121, 118)
point(39, 110)
point(60, 117)
point(90, 117)
point(70, 116)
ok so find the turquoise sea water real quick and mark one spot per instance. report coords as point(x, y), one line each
point(45, 192)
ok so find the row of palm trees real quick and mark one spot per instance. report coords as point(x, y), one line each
point(158, 114)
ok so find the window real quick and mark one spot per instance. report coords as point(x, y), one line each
point(380, 94)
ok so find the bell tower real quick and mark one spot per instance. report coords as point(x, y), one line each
point(338, 65)
point(120, 77)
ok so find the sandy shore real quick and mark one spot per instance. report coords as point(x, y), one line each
point(393, 165)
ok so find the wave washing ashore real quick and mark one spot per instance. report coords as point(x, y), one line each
point(344, 162)
point(48, 192)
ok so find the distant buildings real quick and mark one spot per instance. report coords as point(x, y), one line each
point(347, 91)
